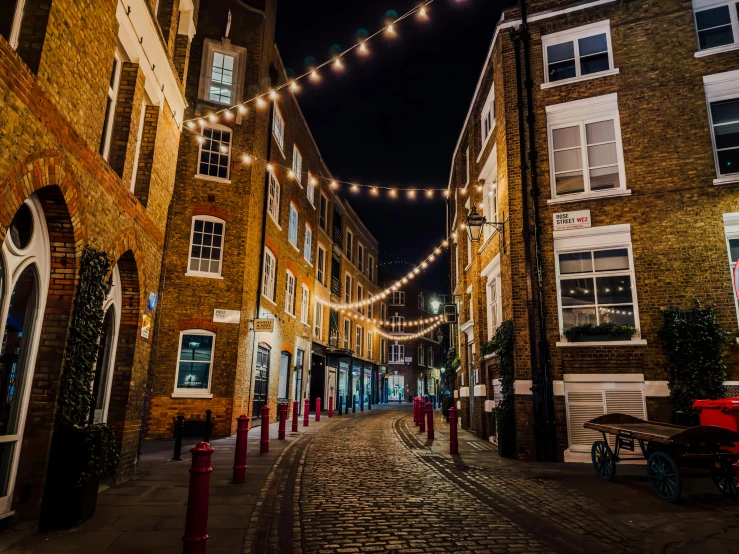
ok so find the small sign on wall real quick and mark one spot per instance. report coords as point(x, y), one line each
point(264, 325)
point(145, 326)
point(572, 220)
point(226, 316)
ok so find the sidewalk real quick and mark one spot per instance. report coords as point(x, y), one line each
point(147, 514)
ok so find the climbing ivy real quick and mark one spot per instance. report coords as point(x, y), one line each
point(502, 344)
point(693, 342)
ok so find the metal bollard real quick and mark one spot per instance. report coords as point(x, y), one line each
point(415, 410)
point(242, 433)
point(179, 429)
point(398, 399)
point(453, 444)
point(421, 416)
point(196, 524)
point(341, 403)
point(208, 416)
point(430, 420)
point(318, 409)
point(296, 407)
point(369, 401)
point(264, 441)
point(306, 412)
point(416, 403)
point(283, 421)
point(354, 404)
point(330, 407)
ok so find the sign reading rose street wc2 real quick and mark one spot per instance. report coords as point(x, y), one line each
point(572, 220)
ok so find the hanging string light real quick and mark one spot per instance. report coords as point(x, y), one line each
point(414, 336)
point(413, 323)
point(335, 61)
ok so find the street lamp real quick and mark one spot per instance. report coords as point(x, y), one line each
point(435, 305)
point(475, 223)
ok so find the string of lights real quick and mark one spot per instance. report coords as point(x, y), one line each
point(390, 323)
point(389, 30)
point(404, 338)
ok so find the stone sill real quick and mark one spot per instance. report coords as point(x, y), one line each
point(191, 395)
point(589, 196)
point(214, 179)
point(640, 342)
point(729, 179)
point(606, 73)
point(717, 50)
point(202, 275)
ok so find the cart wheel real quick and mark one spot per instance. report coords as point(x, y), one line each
point(725, 479)
point(603, 462)
point(664, 476)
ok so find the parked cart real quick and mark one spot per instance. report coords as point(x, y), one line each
point(667, 448)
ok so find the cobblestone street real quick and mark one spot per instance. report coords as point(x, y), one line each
point(371, 482)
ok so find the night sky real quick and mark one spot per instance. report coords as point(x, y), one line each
point(391, 118)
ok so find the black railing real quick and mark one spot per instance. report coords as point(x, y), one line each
point(338, 238)
point(336, 286)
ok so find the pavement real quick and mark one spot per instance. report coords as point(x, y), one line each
point(371, 482)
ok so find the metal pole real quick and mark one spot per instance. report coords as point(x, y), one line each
point(179, 429)
point(208, 416)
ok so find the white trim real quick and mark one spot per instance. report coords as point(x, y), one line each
point(727, 180)
point(464, 392)
point(278, 124)
point(180, 394)
point(582, 197)
point(523, 387)
point(489, 405)
point(274, 212)
point(225, 48)
point(222, 129)
point(603, 377)
point(656, 388)
point(632, 342)
point(195, 392)
point(573, 35)
point(480, 390)
point(720, 87)
point(703, 5)
point(269, 278)
point(113, 301)
point(15, 28)
point(197, 273)
point(558, 387)
point(605, 235)
point(717, 50)
point(587, 77)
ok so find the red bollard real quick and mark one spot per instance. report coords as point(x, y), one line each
point(453, 444)
point(306, 412)
point(264, 442)
point(318, 409)
point(296, 404)
point(415, 411)
point(196, 524)
point(283, 422)
point(430, 420)
point(242, 432)
point(330, 407)
point(421, 417)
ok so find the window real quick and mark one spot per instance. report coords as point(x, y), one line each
point(579, 52)
point(297, 164)
point(397, 353)
point(278, 128)
point(716, 25)
point(469, 241)
point(347, 334)
point(359, 335)
point(383, 349)
point(487, 119)
point(115, 78)
point(421, 360)
point(221, 78)
point(722, 94)
point(349, 240)
point(292, 227)
point(397, 324)
point(321, 266)
point(585, 150)
point(421, 301)
point(467, 166)
point(383, 311)
point(360, 295)
point(595, 283)
point(323, 213)
point(318, 321)
point(290, 293)
point(137, 151)
point(431, 358)
point(360, 257)
point(308, 244)
point(369, 344)
point(269, 276)
point(206, 246)
point(305, 298)
point(311, 189)
point(222, 72)
point(347, 289)
point(215, 152)
point(195, 362)
point(11, 26)
point(398, 298)
point(273, 199)
point(731, 229)
point(369, 310)
point(371, 268)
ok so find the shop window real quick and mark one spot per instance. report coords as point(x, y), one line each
point(206, 246)
point(195, 362)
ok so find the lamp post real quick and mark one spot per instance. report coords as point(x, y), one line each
point(475, 223)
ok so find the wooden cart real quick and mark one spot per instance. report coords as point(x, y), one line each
point(667, 448)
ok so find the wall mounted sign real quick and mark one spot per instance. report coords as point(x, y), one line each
point(151, 301)
point(572, 220)
point(145, 326)
point(264, 325)
point(226, 316)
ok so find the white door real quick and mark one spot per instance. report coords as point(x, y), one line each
point(24, 276)
point(330, 386)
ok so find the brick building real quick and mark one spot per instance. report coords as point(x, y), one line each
point(90, 125)
point(614, 174)
point(248, 240)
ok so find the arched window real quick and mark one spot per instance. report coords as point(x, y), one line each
point(104, 366)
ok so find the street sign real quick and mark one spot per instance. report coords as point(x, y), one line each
point(226, 316)
point(264, 325)
point(572, 220)
point(450, 313)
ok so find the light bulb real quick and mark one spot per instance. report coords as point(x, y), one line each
point(334, 184)
point(411, 193)
point(463, 192)
point(437, 251)
point(293, 85)
point(430, 193)
point(190, 125)
point(242, 109)
point(201, 122)
point(313, 181)
point(424, 265)
point(445, 243)
point(337, 63)
point(212, 118)
point(228, 114)
point(272, 94)
point(462, 226)
point(391, 29)
point(422, 11)
point(363, 47)
point(314, 74)
point(201, 139)
point(375, 191)
point(224, 148)
point(393, 193)
point(355, 188)
point(261, 103)
point(270, 168)
point(246, 158)
point(446, 193)
point(291, 174)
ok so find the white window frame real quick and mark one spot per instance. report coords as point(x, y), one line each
point(421, 355)
point(292, 225)
point(347, 335)
point(371, 267)
point(581, 113)
point(731, 231)
point(421, 302)
point(278, 128)
point(703, 5)
point(15, 28)
point(304, 304)
point(383, 346)
point(269, 275)
point(573, 35)
point(199, 393)
point(360, 256)
point(348, 288)
point(467, 166)
point(494, 306)
point(118, 57)
point(360, 295)
point(308, 244)
point(137, 151)
point(349, 247)
point(273, 199)
point(321, 265)
point(290, 285)
point(210, 47)
point(431, 357)
point(368, 344)
point(222, 128)
point(297, 164)
point(318, 321)
point(397, 323)
point(487, 118)
point(720, 87)
point(397, 353)
point(208, 274)
point(323, 212)
point(358, 339)
point(310, 189)
point(397, 298)
point(489, 176)
point(607, 237)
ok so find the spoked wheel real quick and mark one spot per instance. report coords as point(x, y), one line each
point(724, 477)
point(664, 476)
point(603, 462)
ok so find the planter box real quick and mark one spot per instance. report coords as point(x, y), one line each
point(600, 338)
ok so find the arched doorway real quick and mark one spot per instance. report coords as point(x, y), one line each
point(104, 366)
point(24, 283)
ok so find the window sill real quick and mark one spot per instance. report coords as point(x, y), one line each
point(717, 50)
point(307, 260)
point(291, 315)
point(295, 247)
point(729, 179)
point(183, 394)
point(202, 275)
point(214, 179)
point(589, 196)
point(275, 222)
point(487, 241)
point(640, 342)
point(485, 144)
point(268, 299)
point(581, 78)
point(468, 267)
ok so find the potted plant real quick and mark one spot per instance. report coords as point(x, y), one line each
point(81, 451)
point(599, 333)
